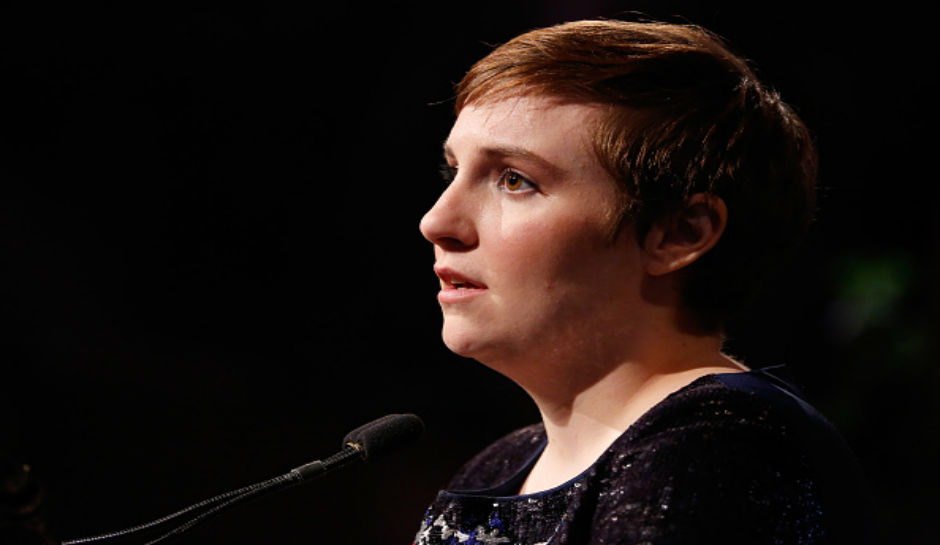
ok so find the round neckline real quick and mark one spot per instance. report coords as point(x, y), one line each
point(515, 481)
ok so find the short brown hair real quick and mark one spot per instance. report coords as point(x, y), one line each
point(685, 116)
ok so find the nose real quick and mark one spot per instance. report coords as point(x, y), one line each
point(450, 223)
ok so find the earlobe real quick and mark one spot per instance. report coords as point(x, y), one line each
point(677, 240)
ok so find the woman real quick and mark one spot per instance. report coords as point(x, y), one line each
point(616, 190)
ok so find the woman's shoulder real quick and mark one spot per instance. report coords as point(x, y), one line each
point(760, 407)
point(733, 423)
point(733, 447)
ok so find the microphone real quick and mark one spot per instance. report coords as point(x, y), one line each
point(363, 444)
point(366, 443)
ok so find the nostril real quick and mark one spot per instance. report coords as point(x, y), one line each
point(451, 244)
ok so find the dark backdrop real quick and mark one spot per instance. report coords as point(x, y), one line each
point(212, 268)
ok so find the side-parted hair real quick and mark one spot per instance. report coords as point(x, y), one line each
point(684, 116)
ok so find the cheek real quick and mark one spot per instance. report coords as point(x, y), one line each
point(547, 251)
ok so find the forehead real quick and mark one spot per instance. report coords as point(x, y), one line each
point(560, 132)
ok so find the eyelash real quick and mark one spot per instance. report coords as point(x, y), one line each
point(501, 183)
point(448, 173)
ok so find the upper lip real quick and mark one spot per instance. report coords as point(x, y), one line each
point(453, 278)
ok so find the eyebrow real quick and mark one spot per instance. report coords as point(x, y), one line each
point(509, 150)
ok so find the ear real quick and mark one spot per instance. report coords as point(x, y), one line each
point(676, 240)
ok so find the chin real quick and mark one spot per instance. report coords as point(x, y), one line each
point(460, 342)
point(474, 344)
point(469, 342)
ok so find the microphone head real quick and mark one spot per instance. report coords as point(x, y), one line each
point(385, 434)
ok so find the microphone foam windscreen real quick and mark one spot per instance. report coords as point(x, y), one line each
point(385, 434)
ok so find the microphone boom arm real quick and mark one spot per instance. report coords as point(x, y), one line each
point(360, 445)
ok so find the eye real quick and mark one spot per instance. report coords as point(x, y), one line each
point(448, 173)
point(513, 182)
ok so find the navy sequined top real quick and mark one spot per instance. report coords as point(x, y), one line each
point(733, 458)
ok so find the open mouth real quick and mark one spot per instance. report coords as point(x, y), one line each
point(463, 284)
point(452, 280)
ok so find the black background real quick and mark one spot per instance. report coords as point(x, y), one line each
point(212, 268)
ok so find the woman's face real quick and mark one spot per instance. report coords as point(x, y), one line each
point(523, 234)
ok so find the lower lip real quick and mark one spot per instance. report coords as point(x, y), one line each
point(453, 295)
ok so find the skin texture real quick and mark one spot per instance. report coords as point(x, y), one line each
point(543, 252)
point(586, 323)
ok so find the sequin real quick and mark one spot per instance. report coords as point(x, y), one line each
point(716, 462)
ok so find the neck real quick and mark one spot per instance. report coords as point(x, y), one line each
point(587, 404)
